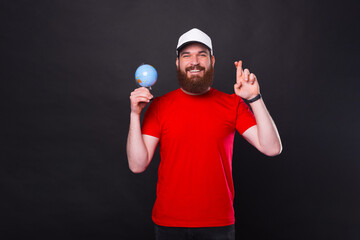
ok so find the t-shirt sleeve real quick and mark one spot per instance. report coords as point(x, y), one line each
point(244, 118)
point(151, 124)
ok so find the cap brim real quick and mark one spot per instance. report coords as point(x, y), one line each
point(190, 42)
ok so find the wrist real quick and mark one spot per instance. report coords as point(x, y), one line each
point(134, 114)
point(254, 99)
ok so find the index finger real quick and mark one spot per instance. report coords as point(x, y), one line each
point(143, 91)
point(239, 69)
point(238, 64)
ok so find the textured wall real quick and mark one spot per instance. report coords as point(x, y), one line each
point(67, 69)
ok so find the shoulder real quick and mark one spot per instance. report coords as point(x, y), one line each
point(171, 94)
point(166, 98)
point(231, 98)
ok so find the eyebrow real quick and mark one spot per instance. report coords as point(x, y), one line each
point(203, 51)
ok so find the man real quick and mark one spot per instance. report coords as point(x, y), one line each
point(195, 126)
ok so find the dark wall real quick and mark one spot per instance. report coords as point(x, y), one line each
point(67, 69)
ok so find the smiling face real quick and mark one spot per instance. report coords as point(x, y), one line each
point(195, 67)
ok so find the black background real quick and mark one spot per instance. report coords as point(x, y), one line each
point(67, 70)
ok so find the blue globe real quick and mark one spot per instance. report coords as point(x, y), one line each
point(146, 75)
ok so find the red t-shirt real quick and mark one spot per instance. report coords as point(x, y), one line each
point(195, 186)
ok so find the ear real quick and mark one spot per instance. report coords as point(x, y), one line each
point(213, 60)
point(177, 62)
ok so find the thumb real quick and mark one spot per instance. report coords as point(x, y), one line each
point(238, 85)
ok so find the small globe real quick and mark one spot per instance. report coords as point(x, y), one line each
point(145, 75)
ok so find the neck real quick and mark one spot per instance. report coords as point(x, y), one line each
point(190, 93)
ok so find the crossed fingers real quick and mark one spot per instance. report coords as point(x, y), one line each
point(243, 75)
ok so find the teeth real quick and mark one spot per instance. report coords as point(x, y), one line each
point(193, 71)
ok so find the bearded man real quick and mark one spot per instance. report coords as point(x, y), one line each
point(195, 126)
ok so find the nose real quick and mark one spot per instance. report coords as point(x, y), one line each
point(194, 60)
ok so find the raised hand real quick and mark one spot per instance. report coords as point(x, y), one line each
point(246, 85)
point(139, 98)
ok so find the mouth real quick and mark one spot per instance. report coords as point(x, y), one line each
point(195, 70)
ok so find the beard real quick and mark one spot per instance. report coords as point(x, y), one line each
point(196, 84)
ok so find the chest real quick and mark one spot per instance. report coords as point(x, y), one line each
point(198, 119)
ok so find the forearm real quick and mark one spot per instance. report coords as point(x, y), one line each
point(137, 152)
point(268, 136)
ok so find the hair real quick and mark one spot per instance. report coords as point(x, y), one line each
point(199, 85)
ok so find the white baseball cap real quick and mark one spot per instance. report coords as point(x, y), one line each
point(194, 35)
